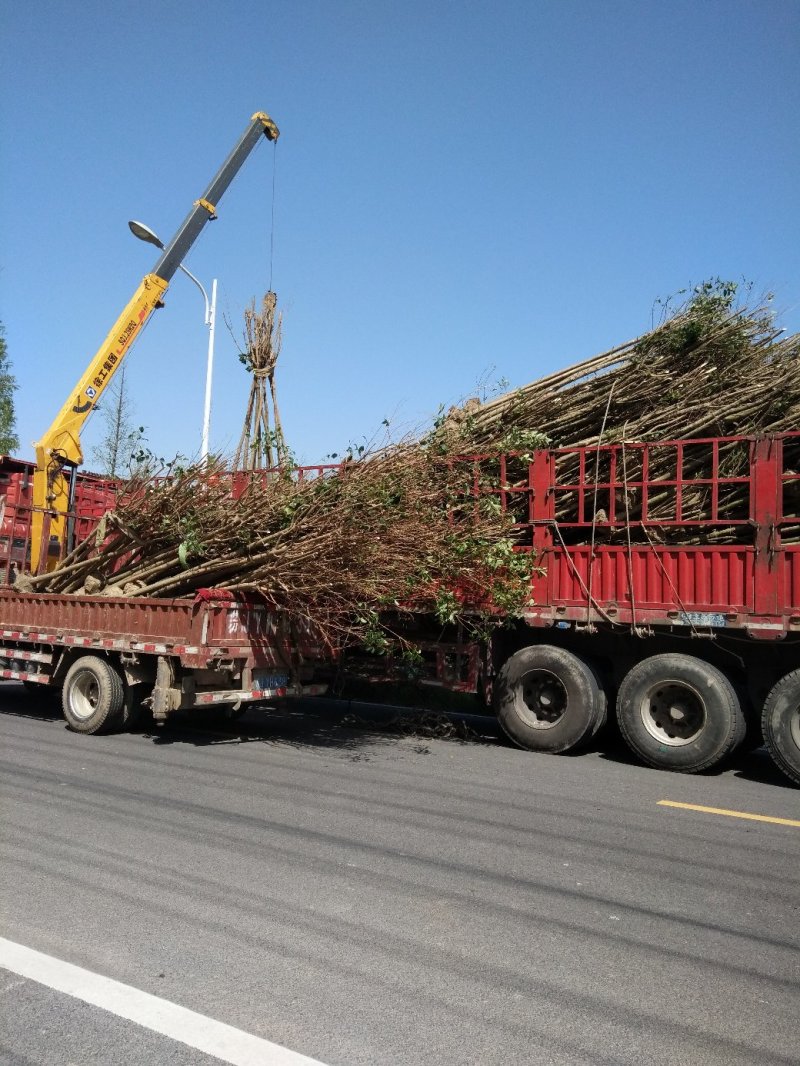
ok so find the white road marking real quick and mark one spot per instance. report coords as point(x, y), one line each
point(159, 1015)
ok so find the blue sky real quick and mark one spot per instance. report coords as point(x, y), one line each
point(465, 192)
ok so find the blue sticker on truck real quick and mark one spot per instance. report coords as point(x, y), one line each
point(270, 681)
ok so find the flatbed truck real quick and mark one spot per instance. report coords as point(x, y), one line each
point(669, 596)
point(109, 656)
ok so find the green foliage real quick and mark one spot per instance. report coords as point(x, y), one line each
point(446, 607)
point(191, 545)
point(491, 506)
point(709, 297)
point(374, 638)
point(710, 312)
point(9, 441)
point(350, 453)
point(410, 664)
point(523, 441)
point(511, 588)
point(271, 442)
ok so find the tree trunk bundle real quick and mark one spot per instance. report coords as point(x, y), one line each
point(395, 531)
point(711, 370)
point(262, 444)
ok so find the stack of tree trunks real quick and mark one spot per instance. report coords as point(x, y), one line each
point(400, 530)
point(395, 531)
point(710, 370)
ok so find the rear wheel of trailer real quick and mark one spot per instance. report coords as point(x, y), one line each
point(677, 712)
point(780, 723)
point(547, 699)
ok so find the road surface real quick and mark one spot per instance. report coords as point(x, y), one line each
point(364, 897)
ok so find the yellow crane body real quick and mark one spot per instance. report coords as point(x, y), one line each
point(59, 451)
point(60, 447)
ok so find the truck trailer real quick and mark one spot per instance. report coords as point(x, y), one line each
point(666, 588)
point(669, 596)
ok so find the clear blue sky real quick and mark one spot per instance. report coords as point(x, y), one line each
point(465, 191)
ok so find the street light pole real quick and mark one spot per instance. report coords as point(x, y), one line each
point(212, 319)
point(144, 233)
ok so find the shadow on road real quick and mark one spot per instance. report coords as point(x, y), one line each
point(757, 766)
point(327, 724)
point(22, 703)
point(358, 727)
point(749, 765)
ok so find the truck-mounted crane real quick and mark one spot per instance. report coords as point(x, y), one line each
point(59, 451)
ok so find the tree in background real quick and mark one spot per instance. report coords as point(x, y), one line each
point(122, 440)
point(9, 441)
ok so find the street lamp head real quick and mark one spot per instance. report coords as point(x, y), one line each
point(144, 233)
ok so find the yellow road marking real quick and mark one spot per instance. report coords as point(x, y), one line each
point(730, 814)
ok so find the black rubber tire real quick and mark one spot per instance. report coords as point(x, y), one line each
point(572, 684)
point(713, 705)
point(93, 696)
point(602, 718)
point(780, 723)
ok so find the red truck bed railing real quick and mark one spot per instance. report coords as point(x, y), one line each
point(698, 533)
point(212, 627)
point(606, 524)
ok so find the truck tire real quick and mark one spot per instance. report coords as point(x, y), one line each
point(93, 697)
point(679, 713)
point(547, 699)
point(780, 722)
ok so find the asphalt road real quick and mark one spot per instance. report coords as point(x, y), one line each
point(364, 897)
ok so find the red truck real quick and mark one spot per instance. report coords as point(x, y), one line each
point(108, 655)
point(672, 595)
point(667, 587)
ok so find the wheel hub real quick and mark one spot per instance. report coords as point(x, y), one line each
point(544, 698)
point(673, 712)
point(84, 695)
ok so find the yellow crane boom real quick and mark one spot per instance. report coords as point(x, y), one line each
point(59, 452)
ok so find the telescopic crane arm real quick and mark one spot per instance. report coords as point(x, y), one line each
point(59, 451)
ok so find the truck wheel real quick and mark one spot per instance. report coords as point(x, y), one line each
point(93, 697)
point(780, 721)
point(547, 699)
point(679, 713)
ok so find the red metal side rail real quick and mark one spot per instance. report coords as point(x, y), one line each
point(209, 629)
point(606, 525)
